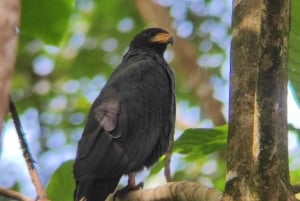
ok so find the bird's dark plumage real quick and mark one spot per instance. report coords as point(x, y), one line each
point(130, 122)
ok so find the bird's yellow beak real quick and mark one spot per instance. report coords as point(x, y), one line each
point(162, 38)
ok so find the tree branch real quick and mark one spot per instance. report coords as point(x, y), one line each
point(14, 195)
point(183, 190)
point(296, 188)
point(9, 23)
point(26, 154)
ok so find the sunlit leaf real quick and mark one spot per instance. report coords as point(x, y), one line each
point(195, 142)
point(61, 185)
point(158, 166)
point(294, 51)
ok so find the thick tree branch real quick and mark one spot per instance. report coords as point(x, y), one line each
point(27, 156)
point(9, 23)
point(14, 195)
point(180, 191)
point(296, 188)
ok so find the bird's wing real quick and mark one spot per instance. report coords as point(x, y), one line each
point(128, 123)
point(98, 134)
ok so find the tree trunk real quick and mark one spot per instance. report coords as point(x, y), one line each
point(257, 164)
point(9, 23)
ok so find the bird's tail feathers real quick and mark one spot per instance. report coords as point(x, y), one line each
point(89, 189)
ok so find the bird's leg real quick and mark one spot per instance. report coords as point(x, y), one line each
point(131, 180)
point(130, 186)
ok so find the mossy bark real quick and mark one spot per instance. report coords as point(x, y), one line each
point(257, 166)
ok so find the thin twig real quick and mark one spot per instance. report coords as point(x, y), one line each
point(26, 154)
point(14, 195)
point(167, 171)
point(21, 134)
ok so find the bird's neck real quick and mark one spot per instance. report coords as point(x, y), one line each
point(141, 54)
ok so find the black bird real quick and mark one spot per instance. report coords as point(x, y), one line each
point(131, 120)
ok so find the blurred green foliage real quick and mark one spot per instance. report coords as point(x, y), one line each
point(67, 49)
point(46, 20)
point(294, 51)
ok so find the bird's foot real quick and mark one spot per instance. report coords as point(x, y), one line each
point(123, 191)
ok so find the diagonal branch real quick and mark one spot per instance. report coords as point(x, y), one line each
point(14, 195)
point(296, 188)
point(27, 156)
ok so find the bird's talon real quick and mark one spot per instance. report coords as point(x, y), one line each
point(123, 191)
point(140, 186)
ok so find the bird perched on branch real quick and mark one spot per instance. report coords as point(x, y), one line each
point(131, 121)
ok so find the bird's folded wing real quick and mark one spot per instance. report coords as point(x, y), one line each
point(107, 114)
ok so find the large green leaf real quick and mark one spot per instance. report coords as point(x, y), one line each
point(294, 50)
point(156, 168)
point(196, 142)
point(46, 20)
point(61, 185)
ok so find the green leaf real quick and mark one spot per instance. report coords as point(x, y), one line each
point(156, 168)
point(46, 20)
point(61, 185)
point(195, 142)
point(294, 51)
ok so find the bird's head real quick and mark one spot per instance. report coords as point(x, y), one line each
point(155, 39)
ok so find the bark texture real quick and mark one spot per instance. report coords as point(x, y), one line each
point(257, 142)
point(9, 23)
point(180, 191)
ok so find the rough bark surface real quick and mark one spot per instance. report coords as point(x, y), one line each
point(9, 23)
point(257, 143)
point(180, 191)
